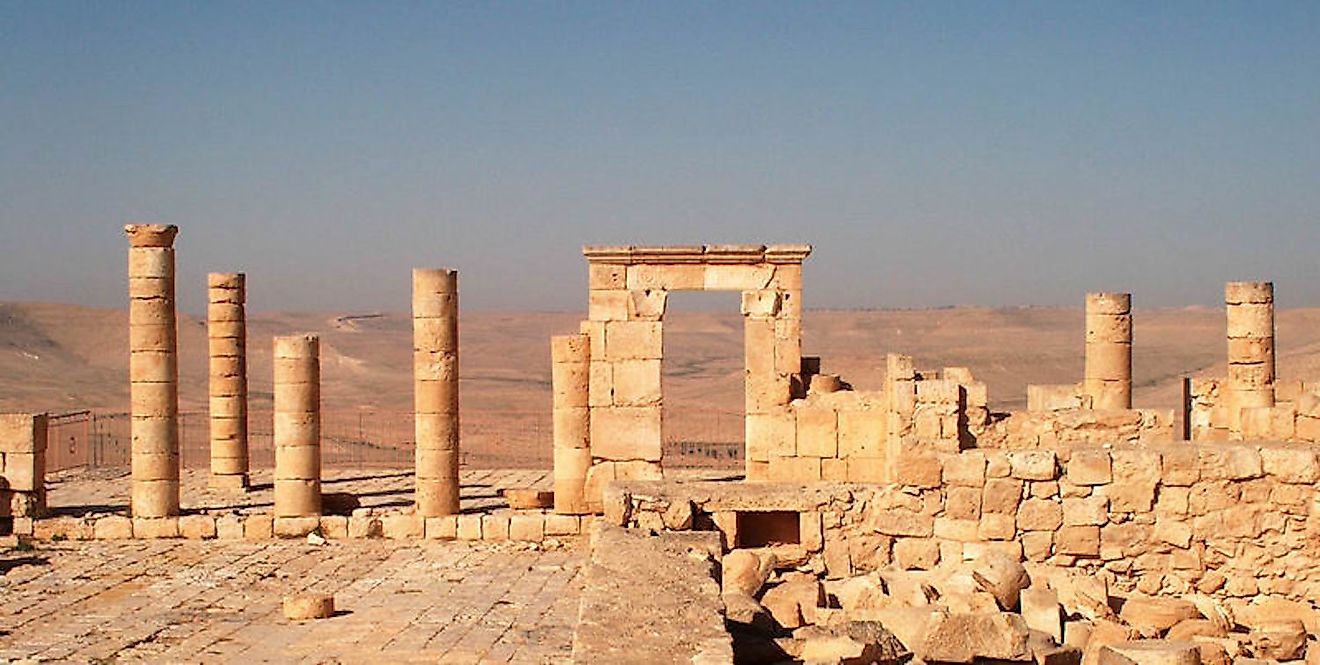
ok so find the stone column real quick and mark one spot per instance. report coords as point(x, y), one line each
point(153, 370)
point(1108, 376)
point(435, 389)
point(226, 331)
point(570, 357)
point(297, 426)
point(1250, 309)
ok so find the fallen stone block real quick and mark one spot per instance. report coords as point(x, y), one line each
point(1185, 630)
point(746, 570)
point(1281, 639)
point(852, 643)
point(961, 638)
point(1001, 576)
point(1150, 652)
point(522, 498)
point(307, 606)
point(740, 608)
point(1040, 609)
point(793, 602)
point(1153, 616)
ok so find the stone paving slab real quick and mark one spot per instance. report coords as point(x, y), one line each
point(202, 602)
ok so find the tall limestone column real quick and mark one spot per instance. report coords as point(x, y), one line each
point(435, 389)
point(297, 426)
point(153, 370)
point(226, 332)
point(1250, 309)
point(570, 363)
point(1108, 375)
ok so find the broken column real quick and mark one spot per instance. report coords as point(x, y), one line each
point(1108, 376)
point(570, 374)
point(226, 332)
point(153, 370)
point(1250, 309)
point(297, 430)
point(435, 396)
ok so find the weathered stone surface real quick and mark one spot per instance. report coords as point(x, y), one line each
point(303, 607)
point(961, 638)
point(1150, 652)
point(1000, 576)
point(745, 571)
point(1281, 639)
point(1040, 610)
point(852, 643)
point(634, 574)
point(793, 602)
point(1156, 614)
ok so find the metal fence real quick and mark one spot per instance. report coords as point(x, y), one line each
point(369, 438)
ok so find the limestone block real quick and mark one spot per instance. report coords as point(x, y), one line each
point(1033, 464)
point(867, 469)
point(1251, 320)
point(1248, 292)
point(1254, 376)
point(963, 638)
point(1108, 303)
point(445, 527)
point(571, 428)
point(297, 497)
point(1001, 495)
point(861, 433)
point(738, 277)
point(918, 470)
point(607, 276)
point(1150, 652)
point(794, 602)
point(626, 433)
point(1080, 541)
point(151, 262)
point(258, 527)
point(817, 430)
point(632, 340)
point(308, 606)
point(1108, 328)
point(1136, 473)
point(1089, 467)
point(764, 304)
point(647, 305)
point(997, 526)
point(154, 498)
point(528, 527)
point(1108, 362)
point(671, 277)
point(155, 527)
point(1291, 464)
point(1231, 462)
point(1156, 615)
point(1249, 350)
point(965, 469)
point(1280, 639)
point(1088, 511)
point(1180, 466)
point(562, 525)
point(773, 433)
point(636, 383)
point(794, 469)
point(294, 527)
point(608, 305)
point(229, 527)
point(495, 527)
point(963, 503)
point(113, 527)
point(1039, 515)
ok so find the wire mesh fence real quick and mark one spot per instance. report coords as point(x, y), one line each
point(371, 438)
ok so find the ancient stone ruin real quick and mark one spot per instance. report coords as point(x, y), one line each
point(905, 524)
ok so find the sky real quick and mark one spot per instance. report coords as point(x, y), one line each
point(934, 154)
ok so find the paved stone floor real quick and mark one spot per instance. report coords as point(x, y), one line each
point(188, 601)
point(80, 492)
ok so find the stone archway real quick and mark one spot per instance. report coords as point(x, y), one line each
point(624, 330)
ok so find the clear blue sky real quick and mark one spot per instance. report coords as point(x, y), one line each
point(999, 153)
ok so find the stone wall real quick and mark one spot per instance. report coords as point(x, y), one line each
point(1295, 415)
point(22, 468)
point(1231, 520)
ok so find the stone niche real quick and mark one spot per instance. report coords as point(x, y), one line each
point(629, 287)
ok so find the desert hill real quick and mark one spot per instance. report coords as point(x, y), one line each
point(56, 357)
